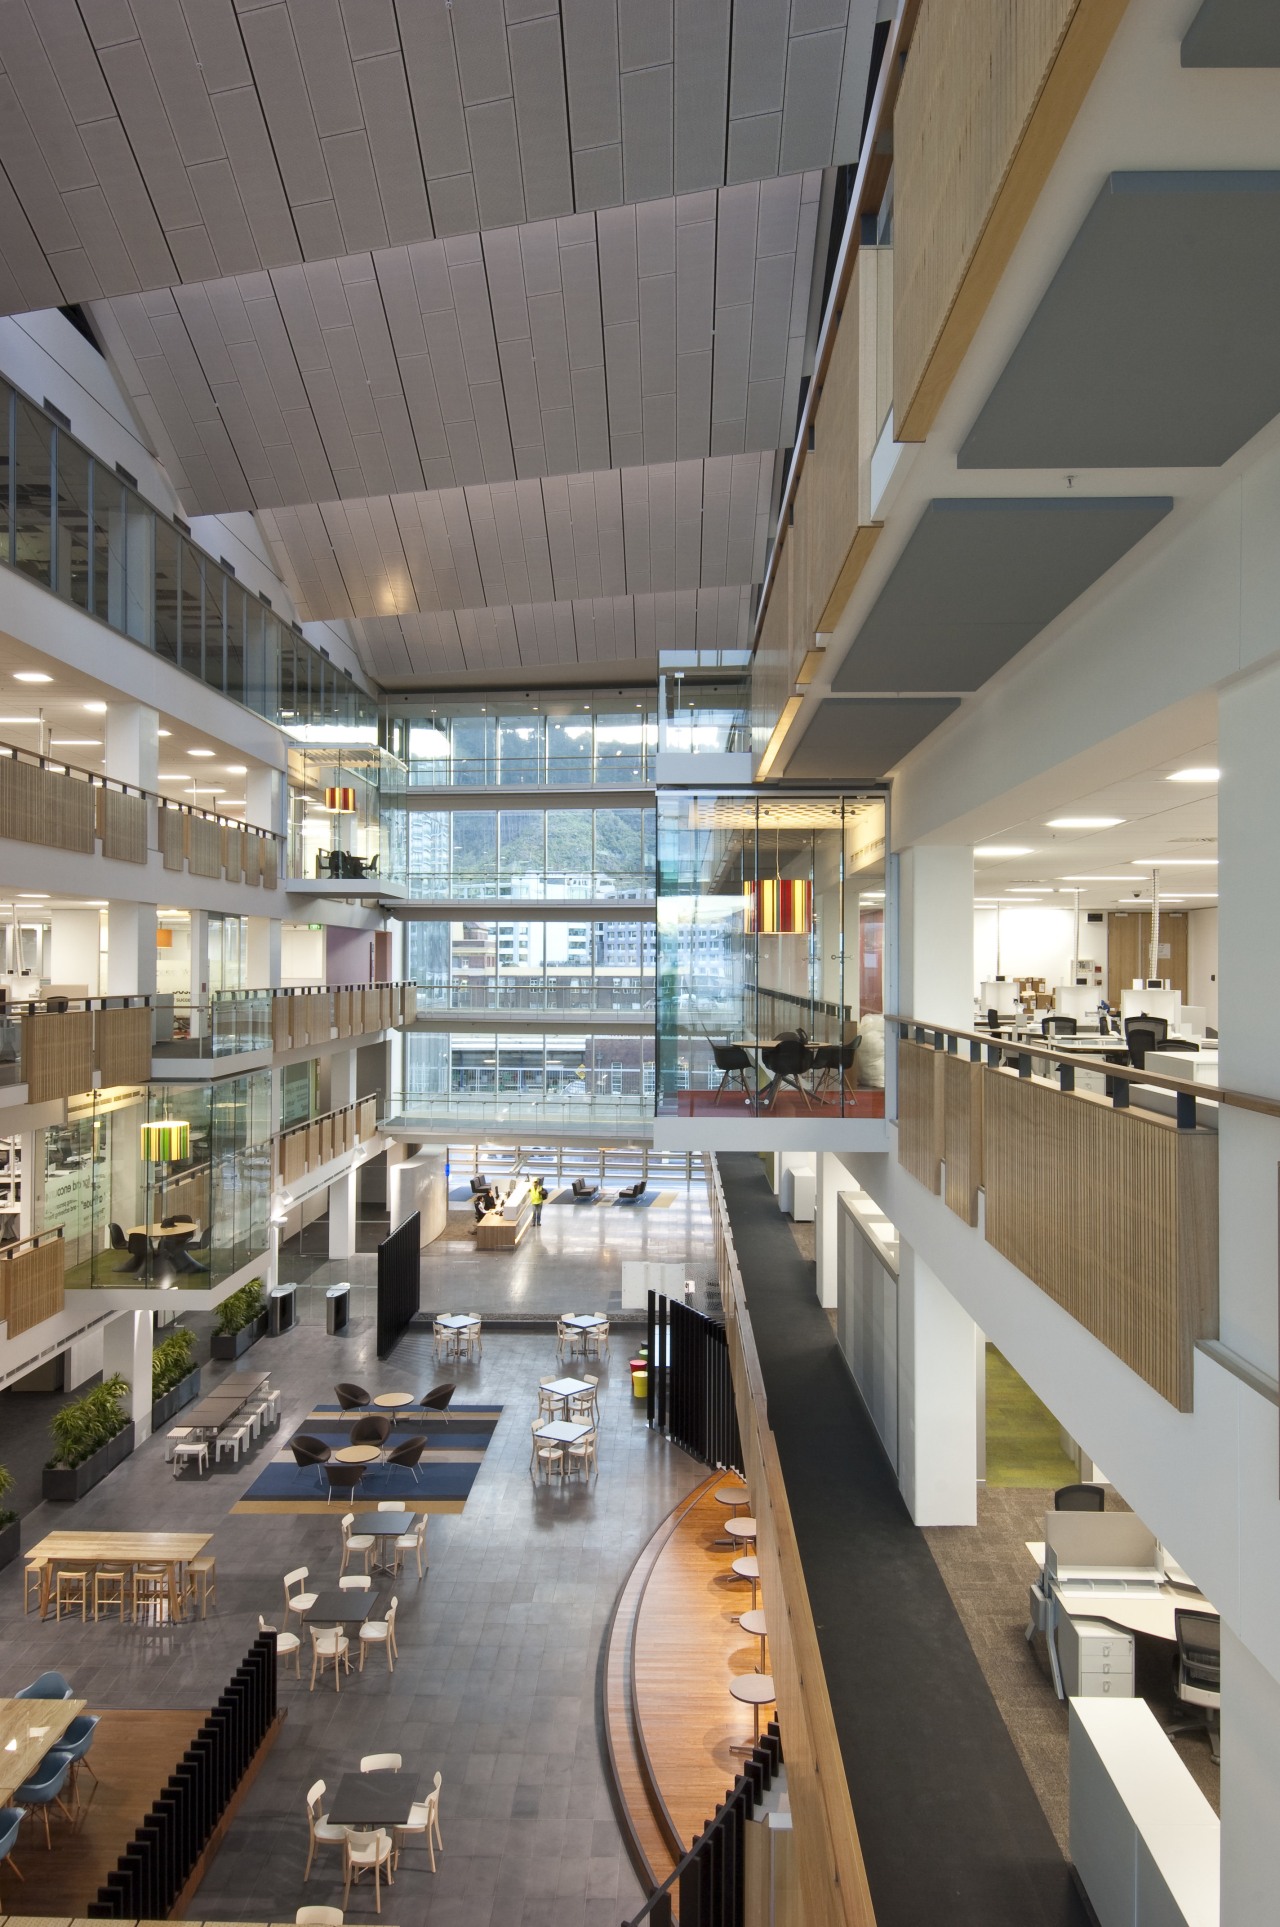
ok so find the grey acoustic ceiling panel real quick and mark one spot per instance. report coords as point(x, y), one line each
point(979, 578)
point(1233, 33)
point(862, 740)
point(1168, 295)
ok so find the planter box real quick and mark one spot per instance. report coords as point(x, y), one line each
point(60, 1484)
point(239, 1342)
point(173, 1401)
point(10, 1541)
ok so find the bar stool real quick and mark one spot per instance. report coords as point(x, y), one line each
point(33, 1575)
point(748, 1567)
point(734, 1495)
point(150, 1589)
point(202, 1581)
point(72, 1590)
point(109, 1589)
point(743, 1529)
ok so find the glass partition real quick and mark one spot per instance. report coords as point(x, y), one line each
point(527, 853)
point(556, 1077)
point(589, 966)
point(770, 954)
point(338, 827)
point(507, 743)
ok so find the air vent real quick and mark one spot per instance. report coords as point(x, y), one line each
point(226, 565)
point(50, 408)
point(1211, 841)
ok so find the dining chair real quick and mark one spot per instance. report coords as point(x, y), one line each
point(44, 1790)
point(355, 1582)
point(548, 1457)
point(49, 1686)
point(381, 1763)
point(596, 1341)
point(300, 1602)
point(361, 1852)
point(354, 1544)
point(321, 1831)
point(381, 1632)
point(287, 1644)
point(11, 1818)
point(414, 1542)
point(74, 1746)
point(110, 1584)
point(71, 1590)
point(342, 1478)
point(438, 1399)
point(202, 1582)
point(318, 1917)
point(329, 1647)
point(582, 1456)
point(424, 1818)
point(547, 1401)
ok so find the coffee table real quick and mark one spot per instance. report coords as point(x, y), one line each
point(394, 1401)
point(358, 1454)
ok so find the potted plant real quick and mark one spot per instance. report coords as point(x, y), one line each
point(92, 1436)
point(10, 1530)
point(242, 1319)
point(175, 1376)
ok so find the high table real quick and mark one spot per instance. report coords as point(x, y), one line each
point(30, 1727)
point(168, 1549)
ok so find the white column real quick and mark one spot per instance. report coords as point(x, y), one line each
point(262, 953)
point(342, 1215)
point(338, 1077)
point(198, 969)
point(1249, 1050)
point(264, 793)
point(935, 934)
point(937, 1406)
point(131, 949)
point(75, 948)
point(1250, 1785)
point(126, 1348)
point(832, 1180)
point(131, 744)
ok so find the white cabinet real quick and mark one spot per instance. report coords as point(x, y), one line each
point(1096, 1659)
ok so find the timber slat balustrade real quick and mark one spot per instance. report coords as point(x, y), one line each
point(920, 1113)
point(962, 1143)
point(46, 806)
point(173, 838)
point(31, 1280)
point(122, 825)
point(988, 95)
point(57, 1054)
point(305, 1147)
point(122, 1045)
point(833, 1889)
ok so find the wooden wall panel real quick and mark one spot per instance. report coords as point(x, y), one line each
point(44, 806)
point(920, 1112)
point(989, 93)
point(173, 838)
point(366, 1118)
point(122, 825)
point(31, 1285)
point(962, 1089)
point(269, 862)
point(252, 855)
point(122, 1046)
point(57, 1054)
point(1129, 949)
point(204, 847)
point(1113, 1214)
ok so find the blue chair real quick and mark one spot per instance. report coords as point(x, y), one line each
point(49, 1686)
point(11, 1818)
point(44, 1789)
point(74, 1746)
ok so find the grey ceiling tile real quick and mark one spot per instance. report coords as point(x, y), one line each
point(656, 238)
point(29, 279)
point(658, 413)
point(586, 536)
point(277, 72)
point(108, 21)
point(219, 48)
point(537, 68)
point(716, 481)
point(731, 365)
point(464, 450)
point(811, 16)
point(44, 105)
point(613, 561)
point(292, 290)
point(634, 492)
point(493, 430)
point(855, 80)
point(453, 204)
point(508, 564)
point(591, 63)
point(400, 302)
point(580, 273)
point(695, 286)
point(432, 287)
point(173, 62)
point(214, 187)
point(779, 215)
point(812, 97)
point(30, 178)
point(257, 178)
point(326, 65)
point(117, 171)
point(560, 440)
point(550, 350)
point(505, 278)
point(457, 523)
point(449, 369)
point(622, 363)
point(764, 414)
point(540, 257)
point(701, 93)
point(648, 133)
point(426, 38)
point(150, 135)
point(100, 238)
point(537, 546)
point(597, 176)
point(531, 461)
point(463, 247)
point(802, 277)
point(319, 230)
point(771, 316)
point(619, 287)
point(206, 337)
point(646, 33)
point(688, 524)
point(371, 27)
point(438, 472)
point(475, 318)
point(71, 55)
point(662, 526)
point(754, 146)
point(591, 416)
point(401, 445)
point(417, 553)
point(693, 403)
point(480, 41)
point(495, 151)
point(658, 334)
point(759, 59)
point(393, 140)
point(575, 231)
point(355, 190)
point(192, 250)
point(520, 385)
point(328, 294)
point(555, 502)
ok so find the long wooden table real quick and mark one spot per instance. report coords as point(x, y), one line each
point(168, 1549)
point(218, 1407)
point(28, 1728)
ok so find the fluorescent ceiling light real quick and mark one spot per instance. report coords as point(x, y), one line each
point(31, 675)
point(19, 719)
point(1004, 849)
point(1206, 775)
point(173, 776)
point(1174, 862)
point(94, 709)
point(1084, 822)
point(1027, 889)
point(1125, 878)
point(199, 752)
point(164, 732)
point(236, 769)
point(75, 742)
point(34, 896)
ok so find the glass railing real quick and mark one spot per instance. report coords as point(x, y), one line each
point(474, 1108)
point(531, 772)
point(579, 992)
point(223, 1025)
point(81, 529)
point(586, 886)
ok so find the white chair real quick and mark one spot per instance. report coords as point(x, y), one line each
point(299, 1602)
point(547, 1456)
point(424, 1818)
point(190, 1452)
point(566, 1336)
point(414, 1542)
point(596, 1341)
point(329, 1647)
point(582, 1456)
point(381, 1763)
point(361, 1852)
point(586, 1404)
point(287, 1644)
point(318, 1917)
point(354, 1543)
point(271, 1408)
point(380, 1632)
point(232, 1440)
point(391, 1505)
point(441, 1339)
point(474, 1336)
point(320, 1829)
point(548, 1403)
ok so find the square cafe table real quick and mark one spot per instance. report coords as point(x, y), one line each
point(334, 1607)
point(372, 1800)
point(561, 1433)
point(563, 1389)
point(30, 1728)
point(387, 1525)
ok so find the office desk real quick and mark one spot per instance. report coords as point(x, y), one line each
point(503, 1230)
point(1145, 1842)
point(1149, 1611)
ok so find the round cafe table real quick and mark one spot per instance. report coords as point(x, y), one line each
point(754, 1623)
point(742, 1529)
point(394, 1401)
point(748, 1567)
point(754, 1690)
point(358, 1454)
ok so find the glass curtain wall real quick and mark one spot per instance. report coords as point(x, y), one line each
point(339, 827)
point(523, 1074)
point(480, 966)
point(530, 853)
point(506, 744)
point(770, 947)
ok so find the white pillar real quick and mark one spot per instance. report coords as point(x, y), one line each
point(937, 1404)
point(75, 948)
point(342, 1214)
point(126, 1348)
point(338, 1080)
point(935, 934)
point(131, 744)
point(1250, 1785)
point(264, 793)
point(262, 953)
point(832, 1180)
point(131, 949)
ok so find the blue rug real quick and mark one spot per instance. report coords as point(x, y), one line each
point(445, 1474)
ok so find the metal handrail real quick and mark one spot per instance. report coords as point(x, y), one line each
point(1072, 1061)
point(31, 1243)
point(19, 753)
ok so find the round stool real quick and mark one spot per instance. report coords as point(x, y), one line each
point(754, 1690)
point(744, 1529)
point(732, 1495)
point(748, 1567)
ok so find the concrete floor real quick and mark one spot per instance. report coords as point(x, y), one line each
point(496, 1685)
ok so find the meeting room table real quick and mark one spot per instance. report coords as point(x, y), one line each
point(172, 1550)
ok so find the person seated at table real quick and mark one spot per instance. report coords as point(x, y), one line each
point(482, 1202)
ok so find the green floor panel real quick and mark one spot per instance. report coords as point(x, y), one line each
point(1023, 1444)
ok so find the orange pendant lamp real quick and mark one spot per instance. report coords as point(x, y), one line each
point(341, 799)
point(777, 907)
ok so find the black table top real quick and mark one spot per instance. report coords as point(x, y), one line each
point(388, 1525)
point(372, 1800)
point(334, 1607)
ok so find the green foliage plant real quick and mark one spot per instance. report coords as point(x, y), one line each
point(242, 1308)
point(172, 1360)
point(7, 1517)
point(87, 1424)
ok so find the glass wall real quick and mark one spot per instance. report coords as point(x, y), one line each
point(507, 743)
point(530, 853)
point(72, 524)
point(338, 827)
point(771, 954)
point(556, 1076)
point(481, 966)
point(183, 1223)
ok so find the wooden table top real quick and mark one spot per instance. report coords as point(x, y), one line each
point(358, 1454)
point(161, 1230)
point(135, 1548)
point(394, 1401)
point(20, 1752)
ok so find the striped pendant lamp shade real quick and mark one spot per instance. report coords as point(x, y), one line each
point(778, 907)
point(340, 797)
point(166, 1142)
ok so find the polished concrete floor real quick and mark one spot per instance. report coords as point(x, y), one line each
point(496, 1685)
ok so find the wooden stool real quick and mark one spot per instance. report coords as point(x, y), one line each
point(150, 1588)
point(33, 1576)
point(202, 1581)
point(109, 1589)
point(72, 1589)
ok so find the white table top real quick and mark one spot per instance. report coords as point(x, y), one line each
point(741, 1528)
point(562, 1433)
point(567, 1387)
point(456, 1320)
point(584, 1320)
point(394, 1401)
point(358, 1454)
point(755, 1688)
point(1151, 1612)
point(732, 1494)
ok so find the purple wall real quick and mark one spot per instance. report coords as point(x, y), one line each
point(348, 955)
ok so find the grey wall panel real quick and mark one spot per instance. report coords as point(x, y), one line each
point(865, 738)
point(1233, 33)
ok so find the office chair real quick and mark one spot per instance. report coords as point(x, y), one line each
point(1140, 1037)
point(1197, 1673)
point(1058, 1026)
point(734, 1061)
point(1160, 1025)
point(1079, 1498)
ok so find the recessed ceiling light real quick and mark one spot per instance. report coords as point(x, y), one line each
point(199, 752)
point(1003, 849)
point(164, 732)
point(233, 802)
point(19, 719)
point(1175, 862)
point(1084, 822)
point(34, 896)
point(94, 709)
point(1097, 879)
point(236, 769)
point(75, 742)
point(206, 789)
point(31, 675)
point(1207, 775)
point(174, 776)
point(1027, 889)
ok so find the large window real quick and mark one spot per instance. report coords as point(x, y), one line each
point(508, 744)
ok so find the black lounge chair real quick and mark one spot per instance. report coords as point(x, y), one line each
point(437, 1400)
point(350, 1396)
point(343, 1478)
point(408, 1452)
point(372, 1430)
point(311, 1451)
point(584, 1191)
point(633, 1191)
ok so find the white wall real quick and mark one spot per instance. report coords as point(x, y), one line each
point(301, 954)
point(1202, 962)
point(1035, 942)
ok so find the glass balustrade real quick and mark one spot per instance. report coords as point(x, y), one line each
point(505, 744)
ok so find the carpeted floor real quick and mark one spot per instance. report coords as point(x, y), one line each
point(1024, 1445)
point(951, 1828)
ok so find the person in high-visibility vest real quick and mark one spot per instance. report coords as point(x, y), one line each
point(537, 1197)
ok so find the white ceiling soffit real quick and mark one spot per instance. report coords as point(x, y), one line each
point(630, 531)
point(589, 629)
point(149, 143)
point(655, 333)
